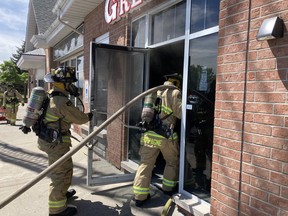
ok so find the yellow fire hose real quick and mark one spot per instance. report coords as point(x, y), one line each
point(80, 145)
point(167, 207)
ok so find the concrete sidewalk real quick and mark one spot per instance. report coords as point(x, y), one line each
point(21, 161)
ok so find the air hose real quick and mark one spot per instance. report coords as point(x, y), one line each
point(80, 145)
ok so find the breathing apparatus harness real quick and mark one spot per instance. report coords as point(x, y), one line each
point(41, 130)
point(11, 99)
point(156, 124)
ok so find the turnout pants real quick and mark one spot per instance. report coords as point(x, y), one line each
point(61, 177)
point(11, 113)
point(170, 151)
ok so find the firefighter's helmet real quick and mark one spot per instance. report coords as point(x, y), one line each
point(61, 74)
point(175, 78)
point(10, 86)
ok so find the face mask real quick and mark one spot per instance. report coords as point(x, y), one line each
point(72, 89)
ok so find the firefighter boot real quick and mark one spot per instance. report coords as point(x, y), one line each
point(69, 211)
point(139, 203)
point(70, 193)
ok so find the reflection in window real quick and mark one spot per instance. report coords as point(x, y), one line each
point(204, 14)
point(200, 115)
point(80, 74)
point(169, 24)
point(69, 44)
point(138, 33)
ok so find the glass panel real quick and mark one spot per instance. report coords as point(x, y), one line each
point(73, 62)
point(204, 14)
point(69, 44)
point(129, 67)
point(138, 33)
point(80, 77)
point(103, 61)
point(169, 24)
point(135, 82)
point(200, 115)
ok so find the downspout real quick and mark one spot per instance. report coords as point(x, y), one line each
point(66, 24)
point(244, 108)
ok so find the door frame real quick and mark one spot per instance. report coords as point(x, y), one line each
point(117, 178)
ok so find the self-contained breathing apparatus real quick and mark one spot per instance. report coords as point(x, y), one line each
point(150, 117)
point(39, 102)
point(40, 128)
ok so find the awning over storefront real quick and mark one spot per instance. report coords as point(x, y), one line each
point(32, 60)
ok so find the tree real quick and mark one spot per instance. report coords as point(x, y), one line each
point(9, 73)
point(15, 57)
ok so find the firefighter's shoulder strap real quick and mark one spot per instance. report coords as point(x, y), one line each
point(44, 107)
point(47, 101)
point(158, 103)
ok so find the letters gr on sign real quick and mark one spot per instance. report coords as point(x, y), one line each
point(115, 9)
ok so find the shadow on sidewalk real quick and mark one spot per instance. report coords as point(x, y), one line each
point(89, 208)
point(21, 157)
point(35, 162)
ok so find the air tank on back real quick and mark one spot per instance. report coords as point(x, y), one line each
point(148, 110)
point(35, 102)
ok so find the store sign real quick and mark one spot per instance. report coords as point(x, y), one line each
point(115, 9)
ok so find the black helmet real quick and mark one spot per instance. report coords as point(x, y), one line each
point(61, 74)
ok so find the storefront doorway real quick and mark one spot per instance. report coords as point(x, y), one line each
point(199, 122)
point(145, 68)
point(164, 60)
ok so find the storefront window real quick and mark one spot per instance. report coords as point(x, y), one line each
point(200, 115)
point(80, 75)
point(138, 32)
point(204, 14)
point(169, 24)
point(69, 44)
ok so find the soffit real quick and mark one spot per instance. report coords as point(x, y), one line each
point(73, 13)
point(32, 60)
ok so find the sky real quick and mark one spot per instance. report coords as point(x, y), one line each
point(13, 21)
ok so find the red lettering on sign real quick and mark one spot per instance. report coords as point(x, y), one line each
point(115, 9)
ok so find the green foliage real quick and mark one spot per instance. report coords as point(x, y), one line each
point(15, 57)
point(9, 73)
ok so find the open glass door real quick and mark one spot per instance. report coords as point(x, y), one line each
point(109, 65)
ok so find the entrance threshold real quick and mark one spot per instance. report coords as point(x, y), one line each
point(192, 205)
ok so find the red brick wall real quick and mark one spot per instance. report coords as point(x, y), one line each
point(250, 159)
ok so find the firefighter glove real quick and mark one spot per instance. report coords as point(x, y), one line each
point(25, 129)
point(90, 116)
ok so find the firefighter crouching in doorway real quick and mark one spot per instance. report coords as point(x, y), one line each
point(11, 99)
point(59, 115)
point(162, 139)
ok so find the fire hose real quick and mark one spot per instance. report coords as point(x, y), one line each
point(75, 149)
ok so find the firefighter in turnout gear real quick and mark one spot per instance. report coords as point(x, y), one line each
point(2, 90)
point(163, 139)
point(59, 116)
point(11, 100)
